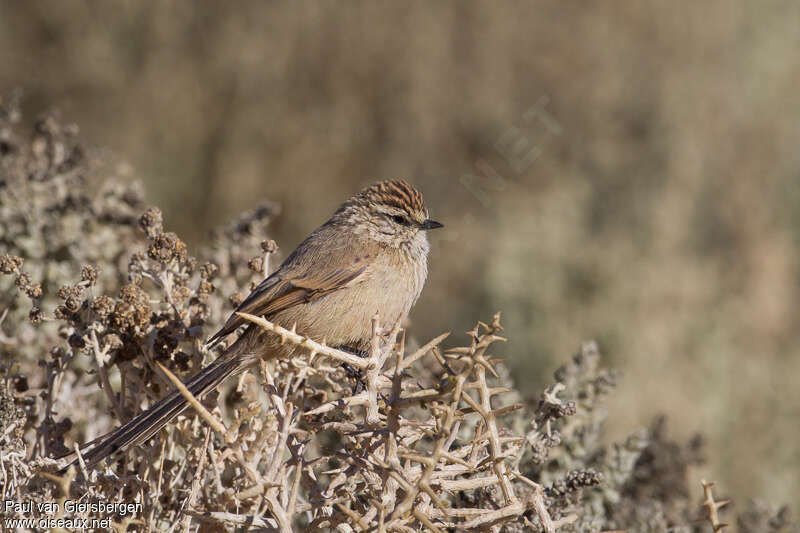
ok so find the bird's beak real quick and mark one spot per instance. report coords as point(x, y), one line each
point(431, 224)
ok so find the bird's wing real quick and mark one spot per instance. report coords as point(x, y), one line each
point(281, 291)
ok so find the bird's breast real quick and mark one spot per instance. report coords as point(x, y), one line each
point(344, 317)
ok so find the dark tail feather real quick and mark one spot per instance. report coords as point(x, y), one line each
point(159, 415)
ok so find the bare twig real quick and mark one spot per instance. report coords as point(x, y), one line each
point(712, 506)
point(304, 342)
point(218, 426)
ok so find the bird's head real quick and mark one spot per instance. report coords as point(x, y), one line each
point(392, 212)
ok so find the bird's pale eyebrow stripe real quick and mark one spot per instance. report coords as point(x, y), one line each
point(389, 210)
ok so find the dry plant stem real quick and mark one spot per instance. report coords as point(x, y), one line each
point(265, 264)
point(408, 361)
point(53, 386)
point(64, 484)
point(298, 473)
point(304, 342)
point(280, 515)
point(81, 462)
point(273, 478)
point(218, 426)
point(8, 341)
point(550, 525)
point(713, 506)
point(99, 356)
point(359, 399)
point(426, 521)
point(391, 458)
point(286, 416)
point(5, 478)
point(196, 482)
point(161, 458)
point(364, 398)
point(494, 436)
point(353, 516)
point(499, 515)
point(376, 361)
point(408, 501)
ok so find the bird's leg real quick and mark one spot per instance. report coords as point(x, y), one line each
point(356, 374)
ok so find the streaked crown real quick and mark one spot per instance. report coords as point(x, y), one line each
point(397, 194)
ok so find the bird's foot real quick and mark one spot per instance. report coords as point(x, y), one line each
point(356, 374)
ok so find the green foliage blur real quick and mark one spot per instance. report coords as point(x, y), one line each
point(625, 171)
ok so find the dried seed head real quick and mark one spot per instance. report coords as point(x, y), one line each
point(111, 342)
point(255, 264)
point(10, 264)
point(205, 288)
point(33, 290)
point(36, 315)
point(180, 293)
point(269, 246)
point(72, 296)
point(152, 222)
point(575, 480)
point(102, 306)
point(134, 310)
point(167, 246)
point(208, 271)
point(89, 274)
point(132, 294)
point(236, 298)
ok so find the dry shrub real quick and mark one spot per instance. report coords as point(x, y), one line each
point(98, 298)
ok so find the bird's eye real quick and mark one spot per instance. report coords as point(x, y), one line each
point(400, 219)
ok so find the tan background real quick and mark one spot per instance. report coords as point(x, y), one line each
point(653, 203)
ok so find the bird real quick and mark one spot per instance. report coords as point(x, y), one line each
point(370, 256)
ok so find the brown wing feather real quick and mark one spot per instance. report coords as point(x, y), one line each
point(274, 295)
point(307, 289)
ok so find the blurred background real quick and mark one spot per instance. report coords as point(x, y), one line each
point(621, 171)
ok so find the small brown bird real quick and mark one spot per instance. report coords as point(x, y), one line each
point(370, 256)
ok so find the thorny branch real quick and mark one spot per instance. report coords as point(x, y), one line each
point(712, 507)
point(413, 465)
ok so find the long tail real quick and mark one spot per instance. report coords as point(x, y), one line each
point(162, 413)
